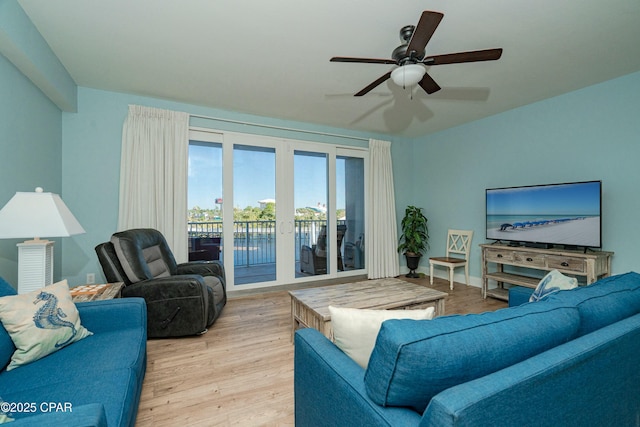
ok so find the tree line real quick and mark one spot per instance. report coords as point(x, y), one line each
point(253, 213)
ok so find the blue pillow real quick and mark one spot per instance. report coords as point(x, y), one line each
point(6, 344)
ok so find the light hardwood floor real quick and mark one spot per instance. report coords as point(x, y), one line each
point(240, 373)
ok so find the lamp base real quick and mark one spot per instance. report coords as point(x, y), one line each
point(35, 265)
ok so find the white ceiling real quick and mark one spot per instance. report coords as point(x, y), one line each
point(271, 58)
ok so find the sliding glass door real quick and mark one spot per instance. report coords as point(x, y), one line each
point(276, 211)
point(254, 214)
point(205, 199)
point(350, 195)
point(311, 201)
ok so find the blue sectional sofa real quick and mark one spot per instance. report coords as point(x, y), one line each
point(96, 381)
point(571, 359)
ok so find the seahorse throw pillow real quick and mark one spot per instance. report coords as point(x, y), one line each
point(41, 322)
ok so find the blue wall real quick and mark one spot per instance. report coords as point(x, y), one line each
point(590, 134)
point(30, 152)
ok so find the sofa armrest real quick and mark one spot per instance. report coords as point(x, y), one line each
point(203, 268)
point(329, 388)
point(592, 380)
point(90, 415)
point(115, 314)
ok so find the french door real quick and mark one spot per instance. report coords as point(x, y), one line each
point(276, 211)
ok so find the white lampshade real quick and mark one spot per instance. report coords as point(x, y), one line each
point(37, 214)
point(408, 75)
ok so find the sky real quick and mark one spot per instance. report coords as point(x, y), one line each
point(565, 199)
point(254, 177)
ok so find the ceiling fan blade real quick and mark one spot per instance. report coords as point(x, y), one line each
point(374, 84)
point(362, 60)
point(428, 84)
point(427, 25)
point(472, 56)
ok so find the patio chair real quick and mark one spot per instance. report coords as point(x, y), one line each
point(313, 260)
point(204, 248)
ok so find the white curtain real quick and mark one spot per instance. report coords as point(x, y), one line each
point(382, 234)
point(153, 174)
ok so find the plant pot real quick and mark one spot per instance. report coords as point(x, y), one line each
point(413, 260)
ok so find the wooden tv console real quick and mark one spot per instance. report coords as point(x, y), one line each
point(592, 265)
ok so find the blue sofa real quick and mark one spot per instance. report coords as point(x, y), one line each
point(571, 359)
point(96, 381)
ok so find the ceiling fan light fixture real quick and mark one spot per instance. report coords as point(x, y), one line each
point(408, 75)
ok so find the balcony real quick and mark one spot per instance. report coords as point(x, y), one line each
point(254, 245)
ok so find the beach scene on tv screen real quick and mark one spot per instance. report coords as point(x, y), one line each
point(566, 214)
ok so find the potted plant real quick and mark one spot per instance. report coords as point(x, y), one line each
point(414, 240)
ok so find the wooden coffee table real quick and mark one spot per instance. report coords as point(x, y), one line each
point(310, 307)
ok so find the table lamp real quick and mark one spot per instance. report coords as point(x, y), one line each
point(36, 214)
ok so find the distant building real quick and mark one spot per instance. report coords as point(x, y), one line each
point(263, 203)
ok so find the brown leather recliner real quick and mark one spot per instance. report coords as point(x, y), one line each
point(182, 299)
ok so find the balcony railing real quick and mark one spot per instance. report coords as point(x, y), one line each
point(254, 242)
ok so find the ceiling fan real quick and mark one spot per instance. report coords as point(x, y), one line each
point(411, 54)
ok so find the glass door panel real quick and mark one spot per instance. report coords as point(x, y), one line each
point(312, 234)
point(254, 214)
point(350, 212)
point(204, 201)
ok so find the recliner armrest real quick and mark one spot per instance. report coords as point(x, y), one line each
point(163, 288)
point(203, 268)
point(176, 305)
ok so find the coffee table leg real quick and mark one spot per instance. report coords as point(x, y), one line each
point(440, 307)
point(294, 321)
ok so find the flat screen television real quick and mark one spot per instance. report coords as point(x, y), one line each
point(568, 214)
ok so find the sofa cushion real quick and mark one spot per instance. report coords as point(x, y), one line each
point(117, 390)
point(40, 322)
point(553, 281)
point(6, 289)
point(98, 349)
point(6, 345)
point(604, 302)
point(414, 360)
point(355, 330)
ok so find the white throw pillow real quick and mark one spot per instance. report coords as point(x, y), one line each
point(41, 322)
point(355, 330)
point(554, 281)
